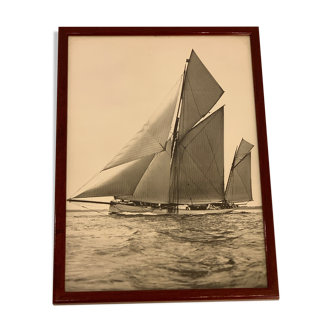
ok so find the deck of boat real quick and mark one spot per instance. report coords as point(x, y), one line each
point(125, 208)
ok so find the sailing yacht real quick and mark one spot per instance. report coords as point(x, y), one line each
point(175, 163)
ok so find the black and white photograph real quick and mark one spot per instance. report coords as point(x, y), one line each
point(163, 179)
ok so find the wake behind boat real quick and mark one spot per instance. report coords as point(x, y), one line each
point(175, 163)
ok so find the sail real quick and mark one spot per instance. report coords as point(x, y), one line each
point(197, 170)
point(152, 137)
point(154, 185)
point(239, 183)
point(147, 171)
point(200, 93)
point(122, 183)
point(242, 151)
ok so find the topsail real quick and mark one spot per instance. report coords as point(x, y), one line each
point(200, 93)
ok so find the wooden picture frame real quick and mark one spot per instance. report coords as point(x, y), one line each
point(60, 296)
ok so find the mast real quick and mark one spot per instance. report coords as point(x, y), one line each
point(176, 127)
point(231, 171)
point(146, 156)
point(150, 162)
point(197, 154)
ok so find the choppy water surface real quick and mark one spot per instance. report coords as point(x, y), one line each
point(164, 252)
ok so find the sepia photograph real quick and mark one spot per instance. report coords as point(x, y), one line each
point(163, 184)
point(162, 173)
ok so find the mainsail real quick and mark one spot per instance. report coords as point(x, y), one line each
point(239, 182)
point(186, 167)
point(198, 165)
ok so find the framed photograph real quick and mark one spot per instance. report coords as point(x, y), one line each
point(162, 172)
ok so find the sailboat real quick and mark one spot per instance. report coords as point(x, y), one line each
point(175, 163)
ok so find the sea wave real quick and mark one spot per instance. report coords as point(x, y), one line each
point(149, 251)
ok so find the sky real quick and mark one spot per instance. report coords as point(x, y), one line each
point(116, 83)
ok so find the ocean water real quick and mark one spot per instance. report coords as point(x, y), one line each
point(136, 252)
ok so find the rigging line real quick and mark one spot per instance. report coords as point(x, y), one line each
point(231, 171)
point(86, 183)
point(147, 131)
point(175, 130)
point(177, 96)
point(178, 102)
point(167, 94)
point(90, 209)
point(228, 181)
point(227, 188)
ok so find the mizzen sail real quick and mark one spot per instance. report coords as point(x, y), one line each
point(239, 182)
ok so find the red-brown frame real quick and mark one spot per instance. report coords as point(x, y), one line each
point(59, 294)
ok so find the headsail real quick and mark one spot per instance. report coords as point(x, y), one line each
point(154, 184)
point(146, 180)
point(239, 182)
point(197, 171)
point(200, 93)
point(122, 183)
point(152, 137)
